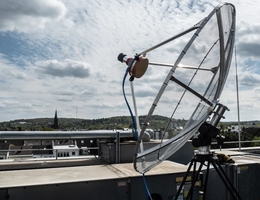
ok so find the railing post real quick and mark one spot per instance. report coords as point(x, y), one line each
point(56, 154)
point(117, 147)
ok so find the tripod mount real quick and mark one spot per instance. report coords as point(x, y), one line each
point(205, 156)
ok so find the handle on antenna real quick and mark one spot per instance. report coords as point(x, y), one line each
point(121, 57)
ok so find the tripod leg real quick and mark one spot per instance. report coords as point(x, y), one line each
point(183, 181)
point(195, 178)
point(225, 179)
point(206, 181)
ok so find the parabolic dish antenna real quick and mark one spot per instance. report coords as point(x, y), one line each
point(193, 85)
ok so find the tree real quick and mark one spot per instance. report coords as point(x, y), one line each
point(256, 143)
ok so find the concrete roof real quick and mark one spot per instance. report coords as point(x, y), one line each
point(33, 177)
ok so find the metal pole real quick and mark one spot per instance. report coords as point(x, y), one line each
point(169, 40)
point(136, 114)
point(238, 112)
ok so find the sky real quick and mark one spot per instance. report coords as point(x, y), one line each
point(62, 54)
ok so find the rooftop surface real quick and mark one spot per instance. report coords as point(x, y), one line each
point(34, 177)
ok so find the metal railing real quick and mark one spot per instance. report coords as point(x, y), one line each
point(54, 154)
point(64, 135)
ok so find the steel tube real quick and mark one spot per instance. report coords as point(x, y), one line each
point(169, 40)
point(181, 66)
point(64, 135)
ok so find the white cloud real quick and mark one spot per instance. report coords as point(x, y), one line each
point(29, 15)
point(67, 68)
point(63, 54)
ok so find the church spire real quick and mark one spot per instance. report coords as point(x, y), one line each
point(56, 124)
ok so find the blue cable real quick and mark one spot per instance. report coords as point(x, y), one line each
point(132, 116)
point(148, 195)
